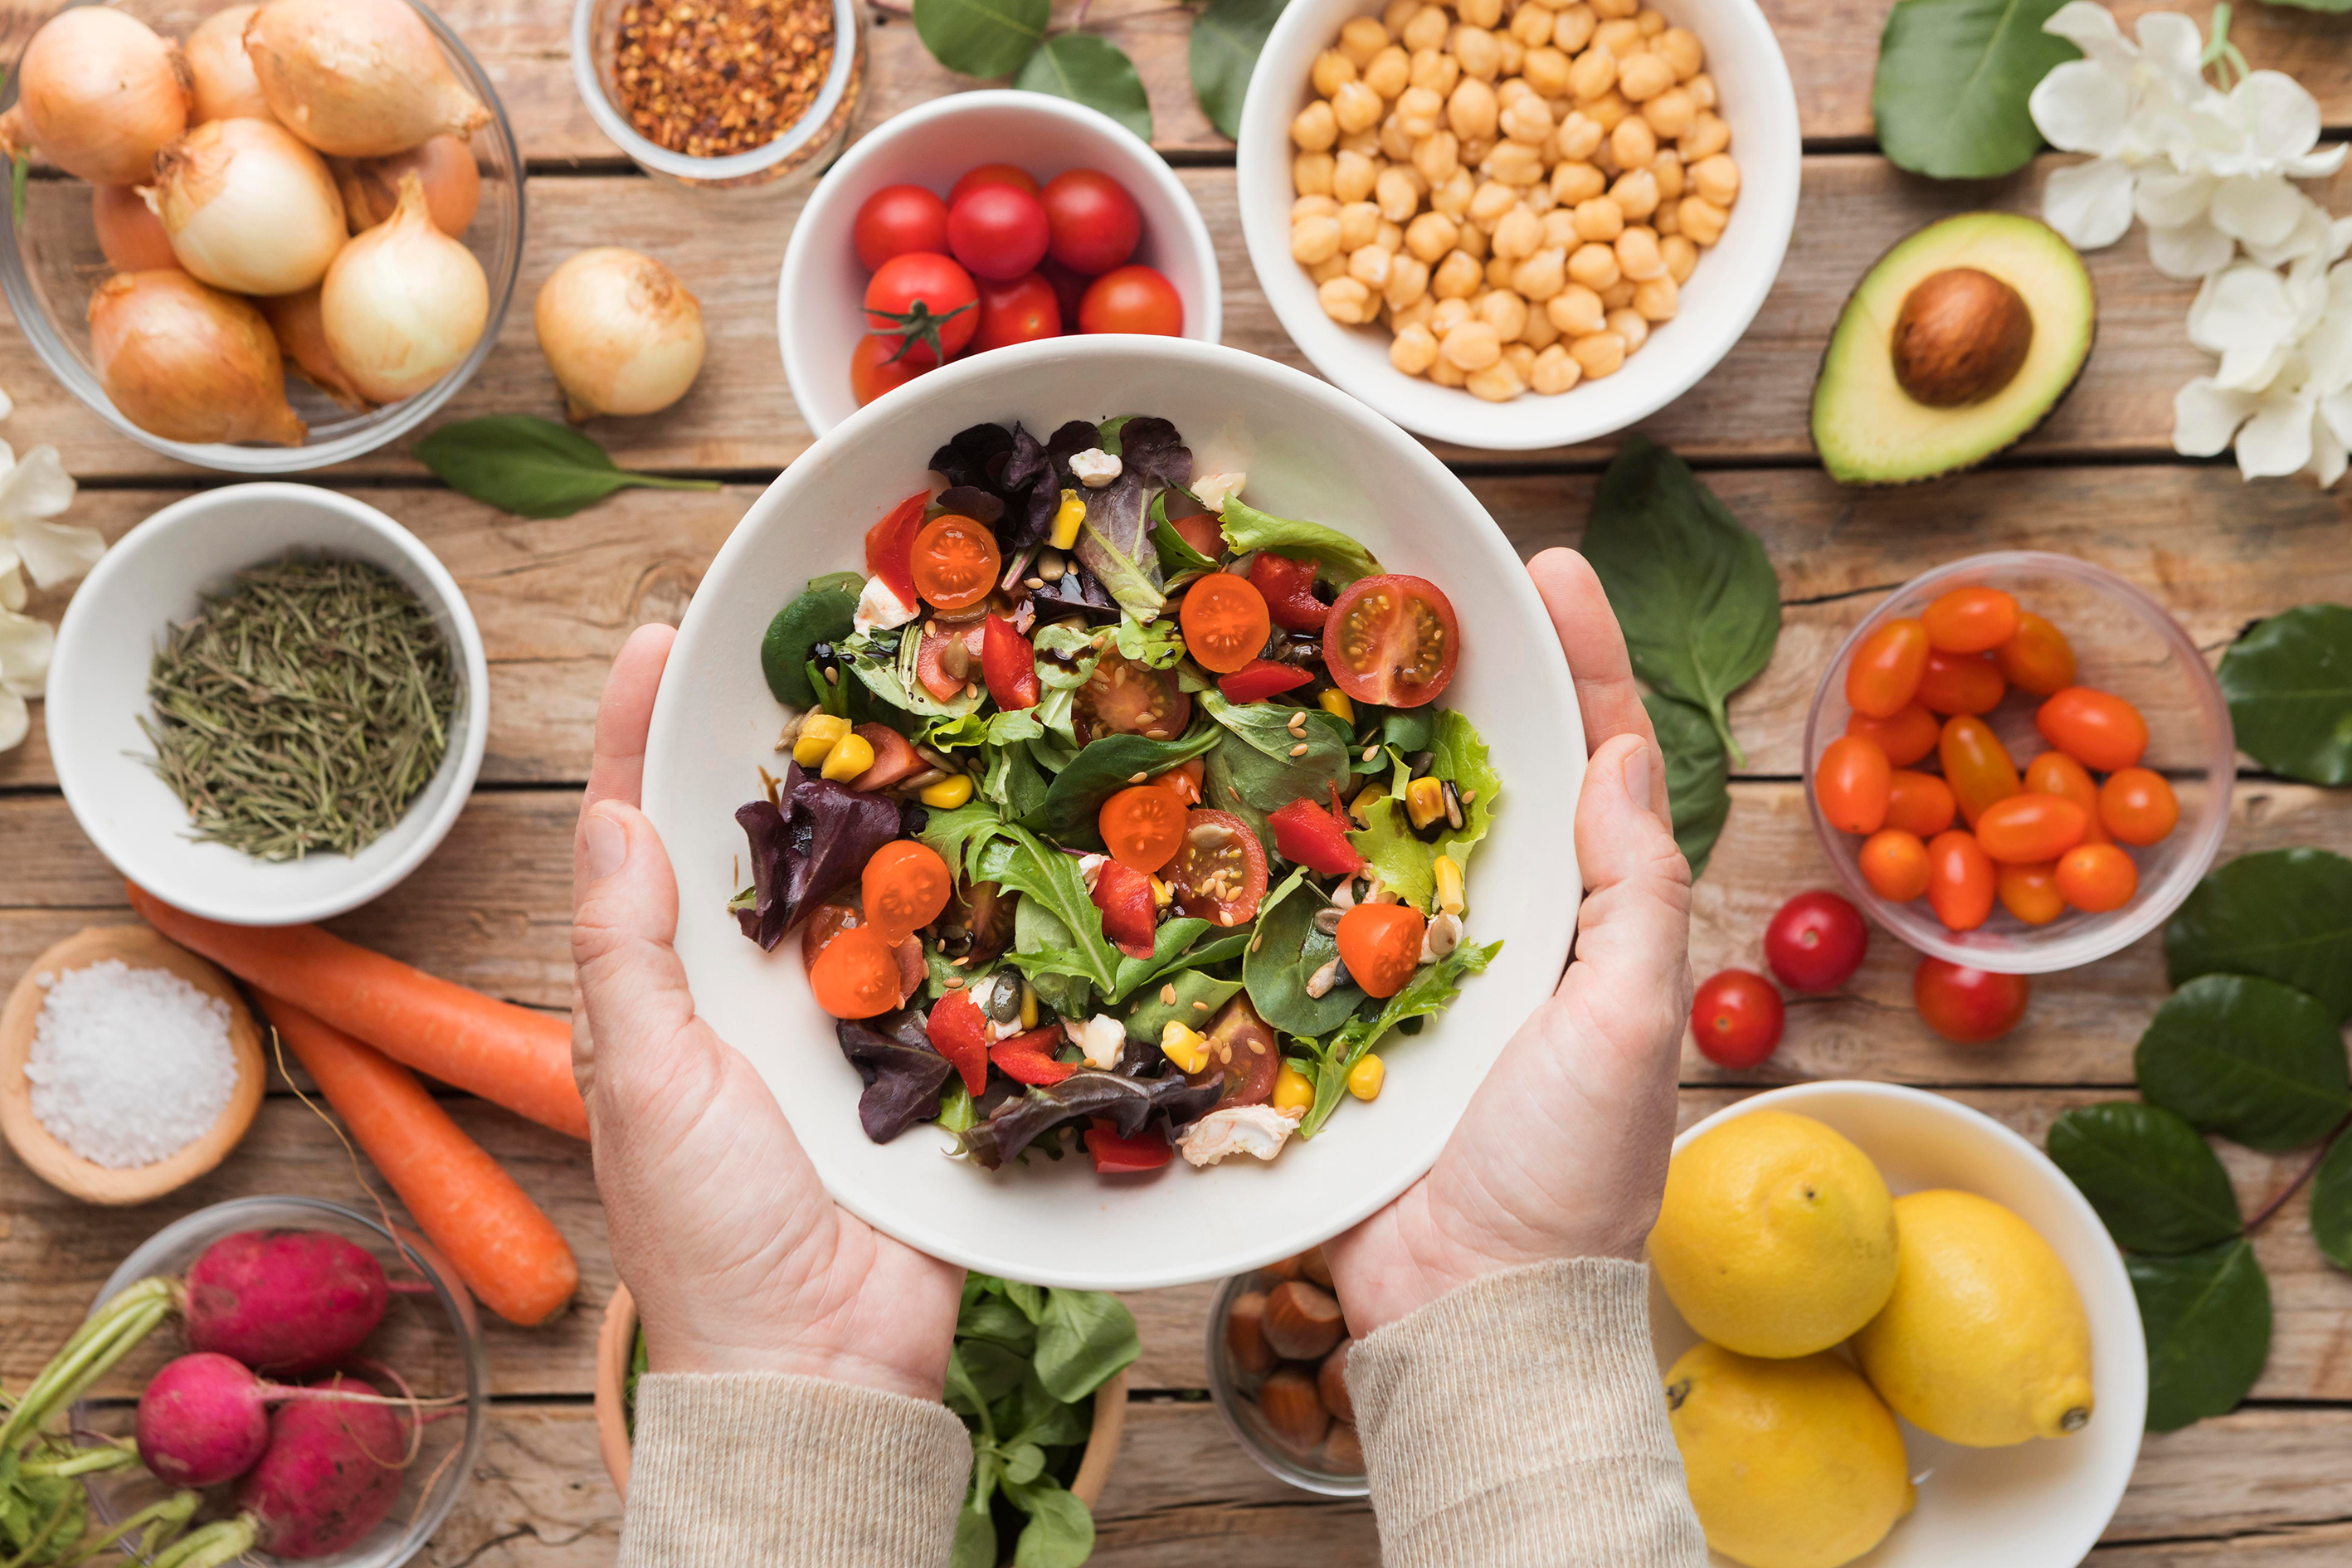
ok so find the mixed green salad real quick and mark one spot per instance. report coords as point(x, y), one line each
point(1118, 813)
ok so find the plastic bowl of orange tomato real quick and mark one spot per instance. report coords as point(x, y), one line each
point(2022, 914)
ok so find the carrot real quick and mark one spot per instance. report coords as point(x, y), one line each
point(507, 1253)
point(508, 1055)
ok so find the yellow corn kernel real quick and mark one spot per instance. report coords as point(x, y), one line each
point(1161, 893)
point(850, 756)
point(1425, 800)
point(1364, 1079)
point(1293, 1091)
point(1067, 521)
point(1028, 1006)
point(1188, 1048)
point(1361, 808)
point(949, 792)
point(818, 732)
point(1335, 702)
point(1449, 884)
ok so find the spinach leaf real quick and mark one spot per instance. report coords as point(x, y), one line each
point(1284, 953)
point(820, 614)
point(1949, 98)
point(1698, 776)
point(1060, 1533)
point(1221, 791)
point(1104, 766)
point(1047, 953)
point(1340, 558)
point(1407, 730)
point(1458, 755)
point(982, 38)
point(1172, 950)
point(2207, 1315)
point(1227, 38)
point(2289, 682)
point(2331, 1203)
point(1432, 989)
point(531, 467)
point(1259, 753)
point(1115, 545)
point(1083, 1338)
point(998, 1320)
point(1189, 991)
point(1087, 68)
point(2156, 1184)
point(975, 1536)
point(850, 583)
point(2248, 1058)
point(1403, 863)
point(1693, 589)
point(2283, 914)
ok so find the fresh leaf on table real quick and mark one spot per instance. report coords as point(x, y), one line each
point(998, 1320)
point(1693, 589)
point(1227, 38)
point(1698, 776)
point(1430, 991)
point(1285, 952)
point(2289, 682)
point(2248, 1058)
point(1093, 71)
point(817, 615)
point(2157, 1185)
point(975, 1536)
point(1949, 98)
point(1341, 559)
point(1257, 750)
point(531, 467)
point(1457, 753)
point(2207, 1315)
point(982, 38)
point(1074, 801)
point(1083, 1339)
point(2331, 1203)
point(2283, 914)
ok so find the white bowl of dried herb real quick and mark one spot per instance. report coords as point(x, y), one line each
point(269, 704)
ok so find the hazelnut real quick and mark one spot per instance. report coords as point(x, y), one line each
point(1292, 1410)
point(1960, 337)
point(1332, 1382)
point(1245, 1337)
point(1301, 1321)
point(1286, 1267)
point(1343, 1451)
point(1316, 1267)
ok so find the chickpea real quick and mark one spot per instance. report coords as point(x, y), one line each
point(1532, 26)
point(1717, 179)
point(1633, 144)
point(1575, 311)
point(1366, 141)
point(1599, 219)
point(1632, 326)
point(1514, 55)
point(1572, 28)
point(1498, 272)
point(1593, 73)
point(1555, 372)
point(1418, 111)
point(1331, 71)
point(1504, 310)
point(1389, 236)
point(1352, 176)
point(1437, 73)
point(1452, 195)
point(1390, 73)
point(1448, 315)
point(1652, 22)
point(1520, 358)
point(1416, 314)
point(1396, 194)
point(1619, 37)
point(1433, 160)
point(1514, 163)
point(1608, 10)
point(1396, 143)
point(1645, 75)
point(1358, 223)
point(1599, 354)
point(1476, 148)
point(1357, 108)
point(1542, 275)
point(1538, 333)
point(1518, 235)
point(1345, 300)
point(1446, 372)
point(1361, 38)
point(1493, 199)
point(1315, 128)
point(1313, 239)
point(1538, 198)
point(1667, 219)
point(1481, 13)
point(1368, 264)
point(1547, 72)
point(1430, 236)
point(1670, 113)
point(1457, 277)
point(1658, 299)
point(1666, 171)
point(1414, 350)
point(1332, 265)
point(1408, 282)
point(1313, 206)
point(1472, 112)
point(1681, 256)
point(1472, 242)
point(1427, 29)
point(1310, 174)
point(1473, 345)
point(1528, 121)
point(1636, 194)
point(1397, 13)
point(1573, 182)
point(1480, 53)
point(1560, 229)
point(1618, 295)
point(1594, 266)
point(1498, 383)
point(1637, 254)
point(1702, 220)
point(1680, 47)
point(1708, 136)
point(1608, 111)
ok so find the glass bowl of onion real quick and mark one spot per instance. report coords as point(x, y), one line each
point(237, 253)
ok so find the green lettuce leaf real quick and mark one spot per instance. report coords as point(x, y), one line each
point(1432, 989)
point(1341, 559)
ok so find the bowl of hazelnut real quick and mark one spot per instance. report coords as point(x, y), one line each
point(1513, 225)
point(1277, 1369)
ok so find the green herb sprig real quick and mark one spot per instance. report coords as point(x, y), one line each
point(531, 467)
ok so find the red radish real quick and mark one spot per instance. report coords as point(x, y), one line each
point(284, 1302)
point(202, 1420)
point(330, 1475)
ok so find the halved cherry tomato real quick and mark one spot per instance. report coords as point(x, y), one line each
point(1242, 1049)
point(1012, 175)
point(1969, 620)
point(875, 366)
point(1894, 864)
point(1225, 620)
point(1976, 764)
point(890, 546)
point(1884, 674)
point(1392, 640)
point(1009, 664)
point(1029, 1059)
point(2097, 729)
point(1909, 735)
point(1307, 834)
point(1129, 915)
point(894, 758)
point(1185, 778)
point(1960, 683)
point(2097, 878)
point(1142, 826)
point(2055, 773)
point(1219, 874)
point(2028, 829)
point(856, 975)
point(1919, 803)
point(1261, 679)
point(903, 887)
point(960, 1032)
point(840, 913)
point(1204, 532)
point(2037, 659)
point(955, 562)
point(2138, 807)
point(1737, 1018)
point(1960, 879)
point(1117, 1156)
point(2030, 892)
point(1852, 783)
point(1967, 1007)
point(1381, 946)
point(1289, 589)
point(1124, 699)
point(944, 656)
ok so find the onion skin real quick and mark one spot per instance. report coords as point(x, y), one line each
point(453, 184)
point(129, 231)
point(249, 208)
point(225, 86)
point(99, 94)
point(621, 332)
point(301, 333)
point(188, 362)
point(403, 303)
point(357, 78)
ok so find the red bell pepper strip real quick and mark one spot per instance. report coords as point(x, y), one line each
point(1029, 1059)
point(1009, 664)
point(1261, 679)
point(1288, 587)
point(890, 546)
point(959, 1033)
point(1123, 894)
point(1308, 836)
point(1117, 1156)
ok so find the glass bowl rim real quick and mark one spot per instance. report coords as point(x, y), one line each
point(1227, 1397)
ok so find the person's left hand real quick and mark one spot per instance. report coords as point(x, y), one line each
point(738, 1258)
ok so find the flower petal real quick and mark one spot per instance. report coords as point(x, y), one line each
point(11, 581)
point(25, 645)
point(2261, 209)
point(2277, 441)
point(2328, 353)
point(2328, 458)
point(15, 721)
point(6, 406)
point(2315, 164)
point(2280, 116)
point(2337, 410)
point(56, 552)
point(2189, 250)
point(36, 486)
point(2089, 204)
point(2241, 306)
point(2205, 414)
point(2309, 241)
point(2081, 108)
point(2091, 28)
point(2172, 198)
point(2170, 49)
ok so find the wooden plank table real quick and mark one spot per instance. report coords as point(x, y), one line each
point(554, 599)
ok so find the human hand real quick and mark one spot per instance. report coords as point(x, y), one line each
point(737, 1258)
point(1562, 1152)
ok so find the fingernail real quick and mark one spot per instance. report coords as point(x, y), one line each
point(1637, 775)
point(608, 845)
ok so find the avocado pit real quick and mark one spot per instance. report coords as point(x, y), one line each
point(1961, 336)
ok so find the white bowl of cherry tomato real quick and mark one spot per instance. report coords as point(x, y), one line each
point(2020, 764)
point(978, 221)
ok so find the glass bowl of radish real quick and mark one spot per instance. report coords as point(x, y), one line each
point(319, 1299)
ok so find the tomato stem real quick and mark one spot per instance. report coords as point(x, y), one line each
point(917, 324)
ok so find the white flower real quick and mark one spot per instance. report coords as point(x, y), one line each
point(31, 493)
point(2284, 392)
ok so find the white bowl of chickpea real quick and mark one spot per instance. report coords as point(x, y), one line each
point(1510, 225)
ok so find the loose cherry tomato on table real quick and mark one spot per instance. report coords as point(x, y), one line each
point(1020, 310)
point(1960, 880)
point(1894, 863)
point(1853, 782)
point(954, 562)
point(856, 975)
point(890, 546)
point(998, 232)
point(1307, 834)
point(1816, 941)
point(2138, 807)
point(1970, 620)
point(1905, 737)
point(1960, 683)
point(1884, 674)
point(1967, 1007)
point(1392, 640)
point(1132, 300)
point(1736, 1017)
point(1142, 826)
point(2097, 878)
point(1976, 765)
point(873, 371)
point(1125, 699)
point(1289, 589)
point(1381, 946)
point(896, 220)
point(1261, 679)
point(1096, 223)
point(2037, 659)
point(2030, 892)
point(925, 302)
point(1009, 664)
point(2055, 773)
point(1130, 913)
point(1919, 803)
point(1117, 1156)
point(2027, 828)
point(1224, 621)
point(959, 1031)
point(2097, 729)
point(1012, 175)
point(903, 887)
point(1219, 875)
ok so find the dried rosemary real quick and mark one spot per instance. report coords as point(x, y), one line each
point(302, 709)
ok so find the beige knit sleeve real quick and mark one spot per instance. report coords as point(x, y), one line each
point(1517, 1421)
point(782, 1471)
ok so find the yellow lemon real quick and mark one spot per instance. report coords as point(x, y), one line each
point(1776, 1237)
point(1792, 1463)
point(1984, 1341)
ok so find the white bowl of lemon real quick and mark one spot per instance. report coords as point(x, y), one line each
point(1892, 1334)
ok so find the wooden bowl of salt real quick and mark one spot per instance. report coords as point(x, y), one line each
point(138, 948)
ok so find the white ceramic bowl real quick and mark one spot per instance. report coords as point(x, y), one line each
point(1309, 451)
point(2039, 1502)
point(1721, 298)
point(97, 691)
point(818, 316)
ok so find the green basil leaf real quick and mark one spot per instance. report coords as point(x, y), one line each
point(1432, 989)
point(2157, 1185)
point(820, 614)
point(2248, 1058)
point(982, 38)
point(2289, 682)
point(1227, 38)
point(1949, 99)
point(1060, 1533)
point(1090, 70)
point(1257, 749)
point(1284, 950)
point(1083, 1337)
point(1698, 776)
point(1340, 559)
point(2207, 1315)
point(2283, 914)
point(1151, 1015)
point(1692, 588)
point(975, 1538)
point(2331, 1205)
point(1074, 801)
point(531, 467)
point(1403, 863)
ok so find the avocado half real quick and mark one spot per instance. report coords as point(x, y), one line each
point(1955, 344)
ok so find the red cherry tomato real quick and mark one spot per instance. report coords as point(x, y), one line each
point(1391, 640)
point(1969, 620)
point(959, 1032)
point(924, 301)
point(1960, 683)
point(1243, 1051)
point(1012, 174)
point(1961, 879)
point(1019, 312)
point(1976, 764)
point(1224, 621)
point(1289, 589)
point(955, 563)
point(997, 232)
point(896, 220)
point(1095, 221)
point(1908, 736)
point(1261, 679)
point(2138, 807)
point(1185, 778)
point(1883, 673)
point(1381, 946)
point(894, 758)
point(1219, 874)
point(872, 371)
point(2055, 773)
point(1142, 826)
point(856, 975)
point(1009, 664)
point(1069, 290)
point(1894, 864)
point(1736, 1017)
point(2037, 659)
point(1206, 535)
point(1133, 299)
point(2097, 878)
point(1129, 914)
point(2030, 892)
point(1117, 1156)
point(890, 546)
point(1967, 1007)
point(1124, 699)
point(2097, 729)
point(2027, 828)
point(1816, 941)
point(1852, 783)
point(943, 673)
point(1919, 803)
point(903, 888)
point(1307, 834)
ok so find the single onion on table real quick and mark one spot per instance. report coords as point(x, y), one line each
point(99, 94)
point(248, 208)
point(357, 78)
point(403, 303)
point(621, 332)
point(225, 86)
point(188, 362)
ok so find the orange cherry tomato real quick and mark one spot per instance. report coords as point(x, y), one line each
point(1143, 826)
point(2097, 729)
point(1185, 778)
point(1960, 879)
point(903, 888)
point(1960, 683)
point(1970, 620)
point(1976, 764)
point(1894, 864)
point(2037, 659)
point(1381, 946)
point(856, 975)
point(2028, 828)
point(2138, 807)
point(1909, 735)
point(2055, 773)
point(955, 562)
point(2030, 892)
point(1853, 782)
point(1226, 622)
point(1919, 803)
point(1885, 672)
point(2097, 878)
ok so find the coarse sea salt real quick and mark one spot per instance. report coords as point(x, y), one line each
point(129, 1066)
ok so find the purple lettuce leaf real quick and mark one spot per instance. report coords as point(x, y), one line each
point(1151, 448)
point(1128, 1102)
point(903, 1072)
point(812, 844)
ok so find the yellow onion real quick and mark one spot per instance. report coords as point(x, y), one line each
point(248, 207)
point(188, 362)
point(301, 331)
point(620, 331)
point(127, 229)
point(226, 87)
point(404, 304)
point(453, 185)
point(359, 79)
point(101, 94)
